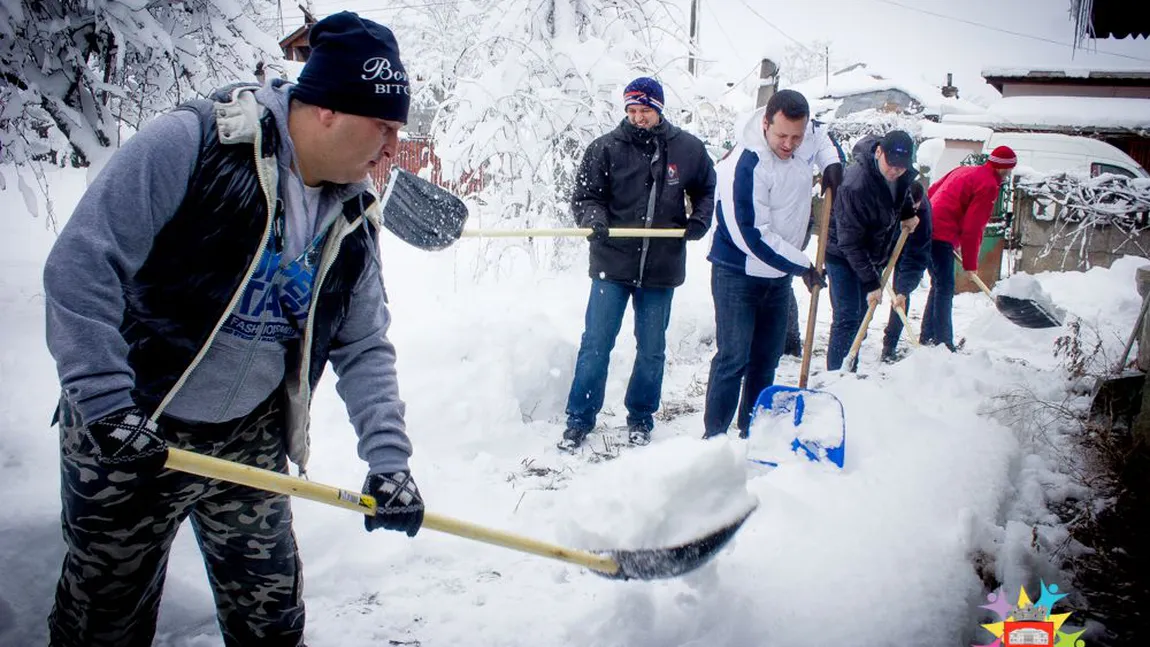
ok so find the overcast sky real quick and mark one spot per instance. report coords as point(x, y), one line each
point(922, 38)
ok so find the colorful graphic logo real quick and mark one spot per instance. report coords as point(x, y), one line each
point(1029, 623)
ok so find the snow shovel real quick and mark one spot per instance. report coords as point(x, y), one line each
point(432, 218)
point(856, 345)
point(823, 436)
point(641, 564)
point(1026, 313)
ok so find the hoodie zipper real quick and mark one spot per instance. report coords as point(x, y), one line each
point(326, 262)
point(263, 242)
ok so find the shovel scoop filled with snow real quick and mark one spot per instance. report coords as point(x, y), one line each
point(662, 563)
point(791, 421)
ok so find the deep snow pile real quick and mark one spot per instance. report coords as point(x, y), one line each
point(880, 552)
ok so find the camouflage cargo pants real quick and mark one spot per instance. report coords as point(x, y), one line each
point(119, 529)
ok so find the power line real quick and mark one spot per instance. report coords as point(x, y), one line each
point(776, 28)
point(999, 29)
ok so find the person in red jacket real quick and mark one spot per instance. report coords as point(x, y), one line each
point(962, 203)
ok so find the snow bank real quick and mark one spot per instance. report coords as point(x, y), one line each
point(695, 488)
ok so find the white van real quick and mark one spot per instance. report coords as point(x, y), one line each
point(1053, 152)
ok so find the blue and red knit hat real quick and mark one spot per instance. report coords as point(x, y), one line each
point(644, 91)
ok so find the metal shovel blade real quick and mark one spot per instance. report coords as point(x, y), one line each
point(1026, 312)
point(420, 213)
point(663, 563)
point(816, 417)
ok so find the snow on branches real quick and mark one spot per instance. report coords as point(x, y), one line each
point(538, 82)
point(71, 72)
point(1097, 201)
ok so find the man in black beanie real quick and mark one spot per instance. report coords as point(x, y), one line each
point(219, 261)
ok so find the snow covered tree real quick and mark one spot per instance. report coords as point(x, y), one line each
point(541, 80)
point(73, 71)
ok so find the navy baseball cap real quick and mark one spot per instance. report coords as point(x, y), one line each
point(898, 147)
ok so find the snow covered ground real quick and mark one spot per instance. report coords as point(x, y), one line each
point(878, 553)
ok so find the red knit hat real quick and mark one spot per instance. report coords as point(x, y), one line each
point(1002, 157)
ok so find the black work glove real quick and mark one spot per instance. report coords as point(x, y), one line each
point(128, 440)
point(398, 505)
point(812, 277)
point(598, 231)
point(832, 177)
point(696, 229)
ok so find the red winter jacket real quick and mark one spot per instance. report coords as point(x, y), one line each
point(963, 201)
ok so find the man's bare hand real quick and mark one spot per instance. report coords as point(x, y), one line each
point(873, 298)
point(910, 224)
point(900, 302)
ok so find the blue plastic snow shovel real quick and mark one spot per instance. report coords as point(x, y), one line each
point(788, 407)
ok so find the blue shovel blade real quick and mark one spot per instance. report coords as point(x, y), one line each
point(805, 406)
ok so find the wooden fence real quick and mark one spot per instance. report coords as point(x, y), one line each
point(417, 154)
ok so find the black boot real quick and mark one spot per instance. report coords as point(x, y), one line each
point(572, 439)
point(639, 434)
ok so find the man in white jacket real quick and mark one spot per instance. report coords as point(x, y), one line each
point(762, 209)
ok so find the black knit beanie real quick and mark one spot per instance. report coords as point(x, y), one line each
point(354, 67)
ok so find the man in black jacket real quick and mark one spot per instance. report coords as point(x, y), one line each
point(869, 206)
point(913, 262)
point(638, 175)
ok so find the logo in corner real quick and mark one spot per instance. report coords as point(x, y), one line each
point(1029, 622)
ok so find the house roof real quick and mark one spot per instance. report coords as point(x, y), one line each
point(300, 32)
point(1063, 114)
point(955, 131)
point(999, 76)
point(862, 79)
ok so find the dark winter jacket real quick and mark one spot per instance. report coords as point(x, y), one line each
point(865, 216)
point(632, 177)
point(915, 258)
point(141, 290)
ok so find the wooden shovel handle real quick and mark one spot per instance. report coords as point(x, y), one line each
point(857, 344)
point(218, 468)
point(910, 333)
point(975, 277)
point(813, 310)
point(574, 232)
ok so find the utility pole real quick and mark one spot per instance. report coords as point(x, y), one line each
point(768, 82)
point(827, 60)
point(692, 60)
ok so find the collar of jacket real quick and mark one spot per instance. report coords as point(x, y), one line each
point(631, 133)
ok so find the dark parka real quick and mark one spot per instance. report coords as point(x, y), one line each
point(865, 216)
point(633, 177)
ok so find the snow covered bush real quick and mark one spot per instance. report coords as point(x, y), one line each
point(542, 79)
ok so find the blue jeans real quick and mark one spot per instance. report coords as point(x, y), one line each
point(750, 328)
point(937, 324)
point(605, 308)
point(848, 305)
